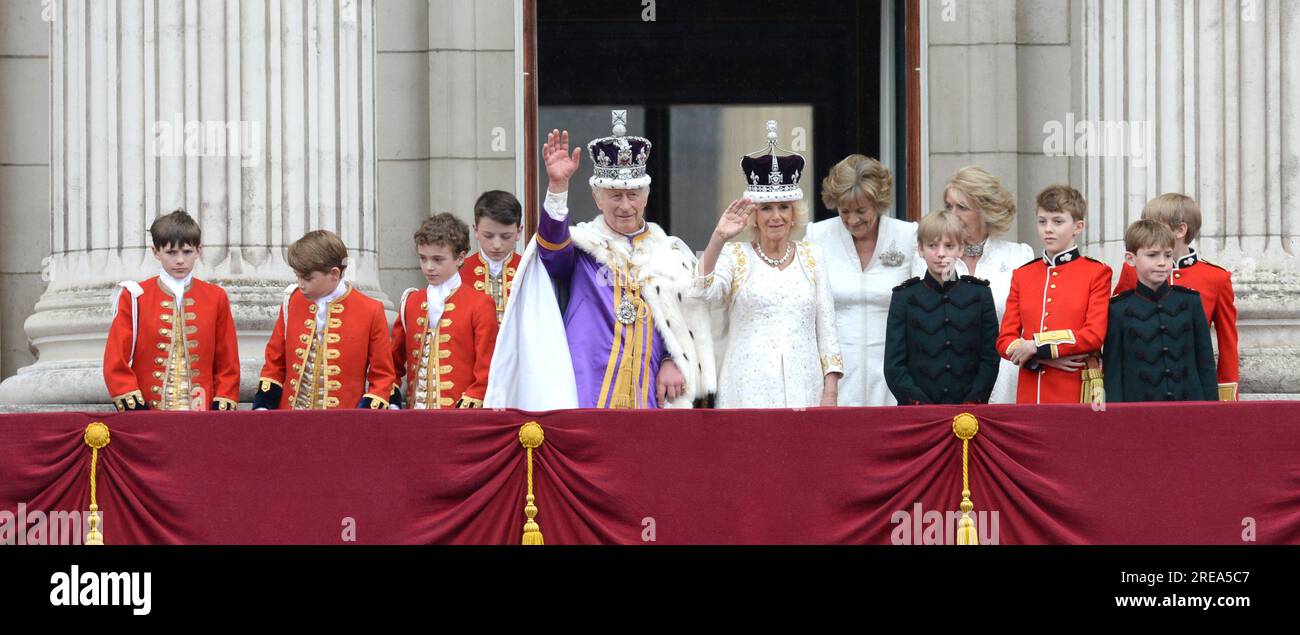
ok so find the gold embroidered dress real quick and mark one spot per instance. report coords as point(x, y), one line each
point(782, 340)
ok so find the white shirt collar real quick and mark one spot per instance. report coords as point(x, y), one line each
point(322, 305)
point(335, 294)
point(176, 286)
point(438, 294)
point(494, 266)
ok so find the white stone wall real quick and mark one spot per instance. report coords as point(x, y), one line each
point(997, 70)
point(446, 117)
point(444, 131)
point(133, 87)
point(24, 172)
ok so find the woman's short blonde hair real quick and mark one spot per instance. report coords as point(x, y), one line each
point(858, 176)
point(801, 218)
point(986, 194)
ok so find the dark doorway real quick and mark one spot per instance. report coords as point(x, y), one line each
point(677, 67)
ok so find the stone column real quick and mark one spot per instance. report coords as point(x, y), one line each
point(1203, 97)
point(255, 116)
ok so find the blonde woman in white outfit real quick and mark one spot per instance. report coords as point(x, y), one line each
point(867, 254)
point(987, 210)
point(782, 350)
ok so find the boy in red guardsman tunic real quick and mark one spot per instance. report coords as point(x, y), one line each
point(1183, 216)
point(1055, 322)
point(172, 344)
point(445, 333)
point(329, 348)
point(497, 216)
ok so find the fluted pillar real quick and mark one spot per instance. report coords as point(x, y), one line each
point(255, 116)
point(1214, 86)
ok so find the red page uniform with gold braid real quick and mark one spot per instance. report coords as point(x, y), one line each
point(446, 364)
point(342, 361)
point(477, 275)
point(186, 354)
point(1062, 305)
point(1214, 283)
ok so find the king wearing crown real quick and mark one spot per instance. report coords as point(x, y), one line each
point(605, 298)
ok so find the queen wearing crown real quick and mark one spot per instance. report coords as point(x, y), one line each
point(605, 299)
point(782, 350)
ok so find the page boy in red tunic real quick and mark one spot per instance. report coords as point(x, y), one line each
point(1055, 322)
point(329, 348)
point(492, 268)
point(444, 335)
point(172, 343)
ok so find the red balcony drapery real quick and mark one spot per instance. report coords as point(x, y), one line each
point(1191, 473)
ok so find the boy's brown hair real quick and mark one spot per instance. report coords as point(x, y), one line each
point(177, 229)
point(444, 229)
point(499, 206)
point(1147, 233)
point(319, 250)
point(1063, 199)
point(937, 225)
point(1174, 209)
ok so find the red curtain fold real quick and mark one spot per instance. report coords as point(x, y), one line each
point(1196, 473)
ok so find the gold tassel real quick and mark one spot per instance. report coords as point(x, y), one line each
point(966, 426)
point(1093, 389)
point(531, 437)
point(96, 437)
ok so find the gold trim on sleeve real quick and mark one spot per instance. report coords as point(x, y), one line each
point(546, 244)
point(128, 400)
point(376, 402)
point(1054, 339)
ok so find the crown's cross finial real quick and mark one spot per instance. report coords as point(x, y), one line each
point(619, 119)
point(771, 145)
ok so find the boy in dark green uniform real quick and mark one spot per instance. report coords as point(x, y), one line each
point(939, 341)
point(1157, 339)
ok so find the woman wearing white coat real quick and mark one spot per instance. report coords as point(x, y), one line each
point(987, 210)
point(867, 254)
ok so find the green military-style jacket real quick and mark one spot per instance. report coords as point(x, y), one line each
point(1158, 347)
point(940, 341)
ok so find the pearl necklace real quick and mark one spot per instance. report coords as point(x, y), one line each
point(775, 264)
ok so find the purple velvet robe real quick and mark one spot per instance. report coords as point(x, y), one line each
point(590, 325)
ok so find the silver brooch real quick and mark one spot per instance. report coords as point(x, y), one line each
point(626, 312)
point(892, 257)
point(1066, 257)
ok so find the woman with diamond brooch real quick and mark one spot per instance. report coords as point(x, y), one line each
point(868, 253)
point(782, 351)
